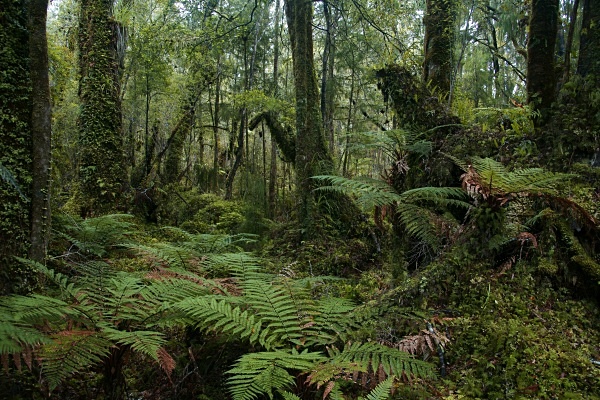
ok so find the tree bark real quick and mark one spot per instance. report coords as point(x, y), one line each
point(439, 41)
point(589, 45)
point(41, 129)
point(541, 79)
point(327, 77)
point(15, 142)
point(569, 44)
point(102, 164)
point(312, 154)
point(272, 194)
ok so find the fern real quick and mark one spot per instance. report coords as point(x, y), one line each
point(262, 373)
point(375, 356)
point(491, 180)
point(92, 316)
point(9, 178)
point(71, 352)
point(382, 390)
point(95, 236)
point(416, 208)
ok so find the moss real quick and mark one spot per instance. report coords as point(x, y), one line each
point(15, 144)
point(101, 165)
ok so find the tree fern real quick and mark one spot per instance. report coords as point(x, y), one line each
point(263, 373)
point(489, 178)
point(415, 207)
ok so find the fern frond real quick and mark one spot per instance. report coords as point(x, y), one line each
point(289, 396)
point(208, 313)
point(16, 336)
point(496, 179)
point(262, 373)
point(278, 311)
point(94, 236)
point(374, 355)
point(71, 352)
point(148, 343)
point(333, 320)
point(382, 390)
point(368, 192)
point(9, 178)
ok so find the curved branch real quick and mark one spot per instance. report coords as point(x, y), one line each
point(282, 135)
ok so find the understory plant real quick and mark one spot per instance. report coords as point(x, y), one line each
point(102, 308)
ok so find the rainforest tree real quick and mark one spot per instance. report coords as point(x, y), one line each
point(312, 153)
point(438, 42)
point(41, 129)
point(15, 138)
point(541, 79)
point(589, 47)
point(101, 170)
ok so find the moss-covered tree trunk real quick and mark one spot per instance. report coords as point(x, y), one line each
point(102, 163)
point(541, 79)
point(41, 128)
point(176, 140)
point(312, 153)
point(589, 45)
point(439, 41)
point(15, 140)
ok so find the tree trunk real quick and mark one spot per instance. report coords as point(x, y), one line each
point(41, 129)
point(215, 123)
point(102, 163)
point(272, 195)
point(541, 80)
point(589, 45)
point(569, 45)
point(439, 41)
point(327, 78)
point(312, 154)
point(15, 142)
point(239, 153)
point(174, 147)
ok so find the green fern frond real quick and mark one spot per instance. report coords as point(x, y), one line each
point(71, 352)
point(278, 311)
point(526, 180)
point(289, 396)
point(333, 320)
point(94, 236)
point(15, 336)
point(9, 178)
point(374, 355)
point(209, 313)
point(381, 391)
point(368, 192)
point(256, 374)
point(146, 342)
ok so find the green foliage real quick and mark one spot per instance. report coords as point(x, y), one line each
point(9, 178)
point(261, 373)
point(416, 208)
point(101, 162)
point(15, 146)
point(95, 311)
point(381, 391)
point(280, 315)
point(200, 213)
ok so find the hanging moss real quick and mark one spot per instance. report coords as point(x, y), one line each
point(15, 141)
point(101, 169)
